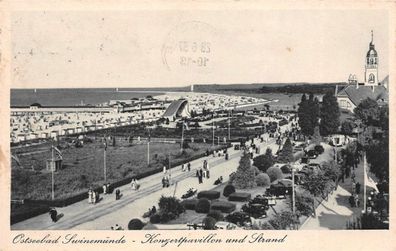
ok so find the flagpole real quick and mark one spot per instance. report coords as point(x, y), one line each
point(52, 173)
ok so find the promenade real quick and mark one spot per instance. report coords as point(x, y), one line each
point(133, 204)
point(336, 211)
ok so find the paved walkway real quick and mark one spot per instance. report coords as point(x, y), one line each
point(336, 211)
point(133, 204)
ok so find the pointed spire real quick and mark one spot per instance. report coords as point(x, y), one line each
point(372, 36)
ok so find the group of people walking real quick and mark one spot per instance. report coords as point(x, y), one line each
point(135, 184)
point(203, 172)
point(186, 167)
point(93, 196)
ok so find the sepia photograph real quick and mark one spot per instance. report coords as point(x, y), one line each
point(196, 119)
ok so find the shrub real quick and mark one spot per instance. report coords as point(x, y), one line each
point(228, 189)
point(223, 206)
point(283, 220)
point(216, 214)
point(170, 205)
point(285, 169)
point(135, 224)
point(274, 173)
point(264, 161)
point(189, 204)
point(203, 206)
point(263, 180)
point(304, 203)
point(155, 218)
point(209, 223)
point(319, 149)
point(210, 195)
point(239, 196)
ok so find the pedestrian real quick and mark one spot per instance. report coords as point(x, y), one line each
point(182, 167)
point(153, 210)
point(94, 197)
point(133, 184)
point(118, 193)
point(358, 188)
point(357, 202)
point(90, 196)
point(189, 166)
point(353, 187)
point(53, 214)
point(108, 188)
point(137, 185)
point(352, 201)
point(163, 182)
point(104, 189)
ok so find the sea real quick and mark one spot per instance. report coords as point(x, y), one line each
point(72, 96)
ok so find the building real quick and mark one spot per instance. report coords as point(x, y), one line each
point(178, 108)
point(351, 95)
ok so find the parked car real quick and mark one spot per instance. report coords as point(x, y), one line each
point(312, 154)
point(226, 225)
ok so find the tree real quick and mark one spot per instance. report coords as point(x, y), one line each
point(284, 220)
point(264, 161)
point(209, 223)
point(286, 155)
point(368, 111)
point(308, 114)
point(347, 127)
point(275, 173)
point(304, 203)
point(244, 176)
point(316, 138)
point(315, 184)
point(378, 158)
point(329, 115)
point(302, 114)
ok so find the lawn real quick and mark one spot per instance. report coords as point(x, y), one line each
point(83, 167)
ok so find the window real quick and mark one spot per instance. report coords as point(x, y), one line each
point(371, 78)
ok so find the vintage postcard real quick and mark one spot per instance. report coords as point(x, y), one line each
point(197, 125)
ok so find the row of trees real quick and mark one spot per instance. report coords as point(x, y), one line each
point(311, 114)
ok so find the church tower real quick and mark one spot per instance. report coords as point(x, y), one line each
point(371, 72)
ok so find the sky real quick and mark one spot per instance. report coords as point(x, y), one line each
point(179, 48)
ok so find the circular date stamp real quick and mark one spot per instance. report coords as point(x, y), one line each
point(190, 46)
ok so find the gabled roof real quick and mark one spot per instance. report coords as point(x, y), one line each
point(357, 95)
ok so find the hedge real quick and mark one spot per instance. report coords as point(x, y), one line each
point(17, 216)
point(239, 196)
point(228, 189)
point(223, 206)
point(210, 195)
point(189, 204)
point(135, 224)
point(27, 211)
point(216, 214)
point(203, 206)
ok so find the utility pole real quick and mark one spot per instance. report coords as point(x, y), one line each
point(293, 192)
point(213, 132)
point(148, 148)
point(364, 183)
point(104, 162)
point(52, 173)
point(229, 127)
point(182, 137)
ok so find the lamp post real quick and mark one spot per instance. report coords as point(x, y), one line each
point(293, 192)
point(213, 132)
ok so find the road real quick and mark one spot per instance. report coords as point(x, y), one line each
point(133, 204)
